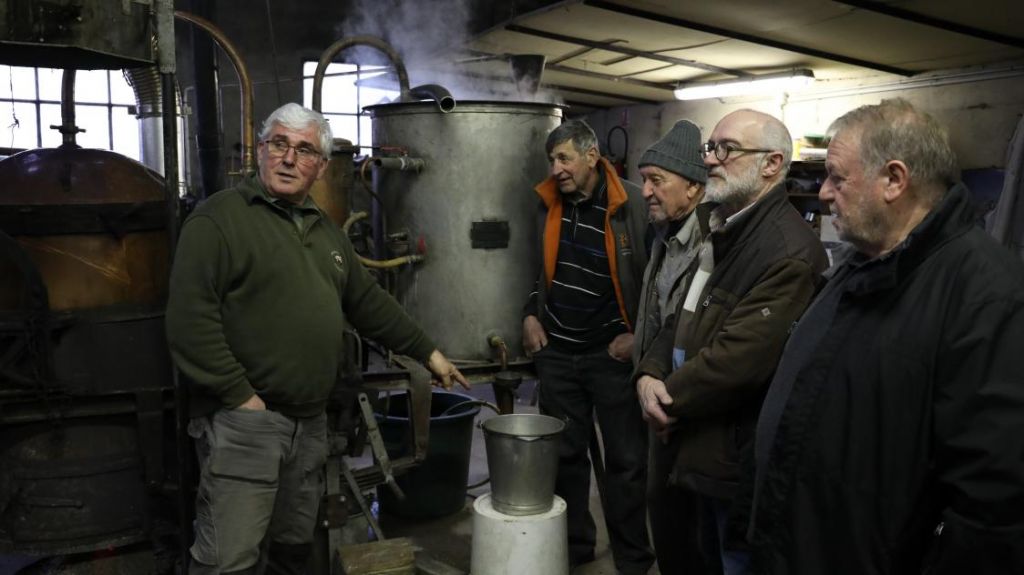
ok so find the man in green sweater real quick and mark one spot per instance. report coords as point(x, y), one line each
point(261, 287)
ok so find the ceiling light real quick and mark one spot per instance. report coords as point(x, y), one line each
point(746, 86)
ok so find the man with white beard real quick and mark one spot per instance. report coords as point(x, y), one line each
point(703, 381)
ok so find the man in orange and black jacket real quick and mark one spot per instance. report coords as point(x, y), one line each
point(578, 324)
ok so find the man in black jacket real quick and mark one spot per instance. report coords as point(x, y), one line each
point(892, 438)
point(702, 381)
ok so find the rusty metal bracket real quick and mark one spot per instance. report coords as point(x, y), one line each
point(419, 404)
point(334, 504)
point(377, 446)
point(353, 485)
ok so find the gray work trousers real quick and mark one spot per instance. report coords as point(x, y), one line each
point(261, 476)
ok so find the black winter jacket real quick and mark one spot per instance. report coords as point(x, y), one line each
point(768, 264)
point(900, 449)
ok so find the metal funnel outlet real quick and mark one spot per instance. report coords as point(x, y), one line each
point(526, 71)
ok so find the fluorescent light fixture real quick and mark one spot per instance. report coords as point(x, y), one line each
point(747, 85)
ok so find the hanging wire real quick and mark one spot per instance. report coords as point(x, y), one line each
point(15, 123)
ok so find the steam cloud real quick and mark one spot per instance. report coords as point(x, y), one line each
point(432, 38)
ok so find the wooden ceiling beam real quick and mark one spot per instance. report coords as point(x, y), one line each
point(609, 47)
point(918, 18)
point(691, 25)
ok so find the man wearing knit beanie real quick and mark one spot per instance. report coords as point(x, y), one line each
point(674, 175)
point(703, 378)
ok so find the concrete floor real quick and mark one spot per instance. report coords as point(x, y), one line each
point(449, 539)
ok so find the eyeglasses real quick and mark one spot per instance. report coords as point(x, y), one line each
point(304, 153)
point(723, 149)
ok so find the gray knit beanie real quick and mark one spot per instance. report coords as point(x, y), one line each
point(679, 151)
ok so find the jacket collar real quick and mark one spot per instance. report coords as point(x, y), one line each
point(740, 228)
point(548, 189)
point(253, 190)
point(951, 218)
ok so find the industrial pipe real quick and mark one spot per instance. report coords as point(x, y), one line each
point(437, 93)
point(497, 342)
point(378, 264)
point(67, 126)
point(505, 382)
point(353, 218)
point(149, 110)
point(373, 41)
point(248, 132)
point(392, 263)
point(400, 163)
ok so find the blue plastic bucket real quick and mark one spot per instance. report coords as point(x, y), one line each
point(436, 487)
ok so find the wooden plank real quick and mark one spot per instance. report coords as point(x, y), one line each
point(388, 557)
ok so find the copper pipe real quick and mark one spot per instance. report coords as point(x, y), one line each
point(248, 132)
point(496, 341)
point(379, 264)
point(392, 263)
point(353, 218)
point(334, 49)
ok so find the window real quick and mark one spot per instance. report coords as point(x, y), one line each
point(345, 92)
point(30, 104)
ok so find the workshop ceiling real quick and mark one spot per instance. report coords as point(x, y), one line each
point(604, 53)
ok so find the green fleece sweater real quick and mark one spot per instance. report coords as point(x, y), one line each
point(258, 304)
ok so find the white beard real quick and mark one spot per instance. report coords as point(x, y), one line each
point(737, 190)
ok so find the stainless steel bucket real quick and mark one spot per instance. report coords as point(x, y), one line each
point(522, 455)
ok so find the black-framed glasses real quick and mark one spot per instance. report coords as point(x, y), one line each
point(724, 149)
point(304, 153)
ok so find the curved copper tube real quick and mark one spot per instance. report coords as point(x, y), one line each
point(334, 49)
point(379, 264)
point(392, 263)
point(353, 218)
point(248, 131)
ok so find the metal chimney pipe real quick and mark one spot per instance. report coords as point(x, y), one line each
point(334, 49)
point(248, 130)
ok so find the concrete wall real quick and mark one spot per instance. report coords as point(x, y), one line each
point(980, 110)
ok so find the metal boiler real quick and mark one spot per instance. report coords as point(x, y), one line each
point(86, 427)
point(470, 210)
point(84, 372)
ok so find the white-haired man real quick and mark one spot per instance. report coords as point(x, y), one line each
point(261, 287)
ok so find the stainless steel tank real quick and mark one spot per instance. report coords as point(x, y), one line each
point(471, 209)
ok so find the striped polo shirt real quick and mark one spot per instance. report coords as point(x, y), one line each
point(581, 311)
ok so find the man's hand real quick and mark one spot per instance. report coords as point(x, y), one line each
point(534, 337)
point(254, 403)
point(444, 371)
point(621, 348)
point(653, 395)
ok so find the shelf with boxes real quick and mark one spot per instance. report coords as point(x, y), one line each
point(802, 184)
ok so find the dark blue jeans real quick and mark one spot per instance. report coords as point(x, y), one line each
point(573, 388)
point(714, 516)
point(673, 512)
